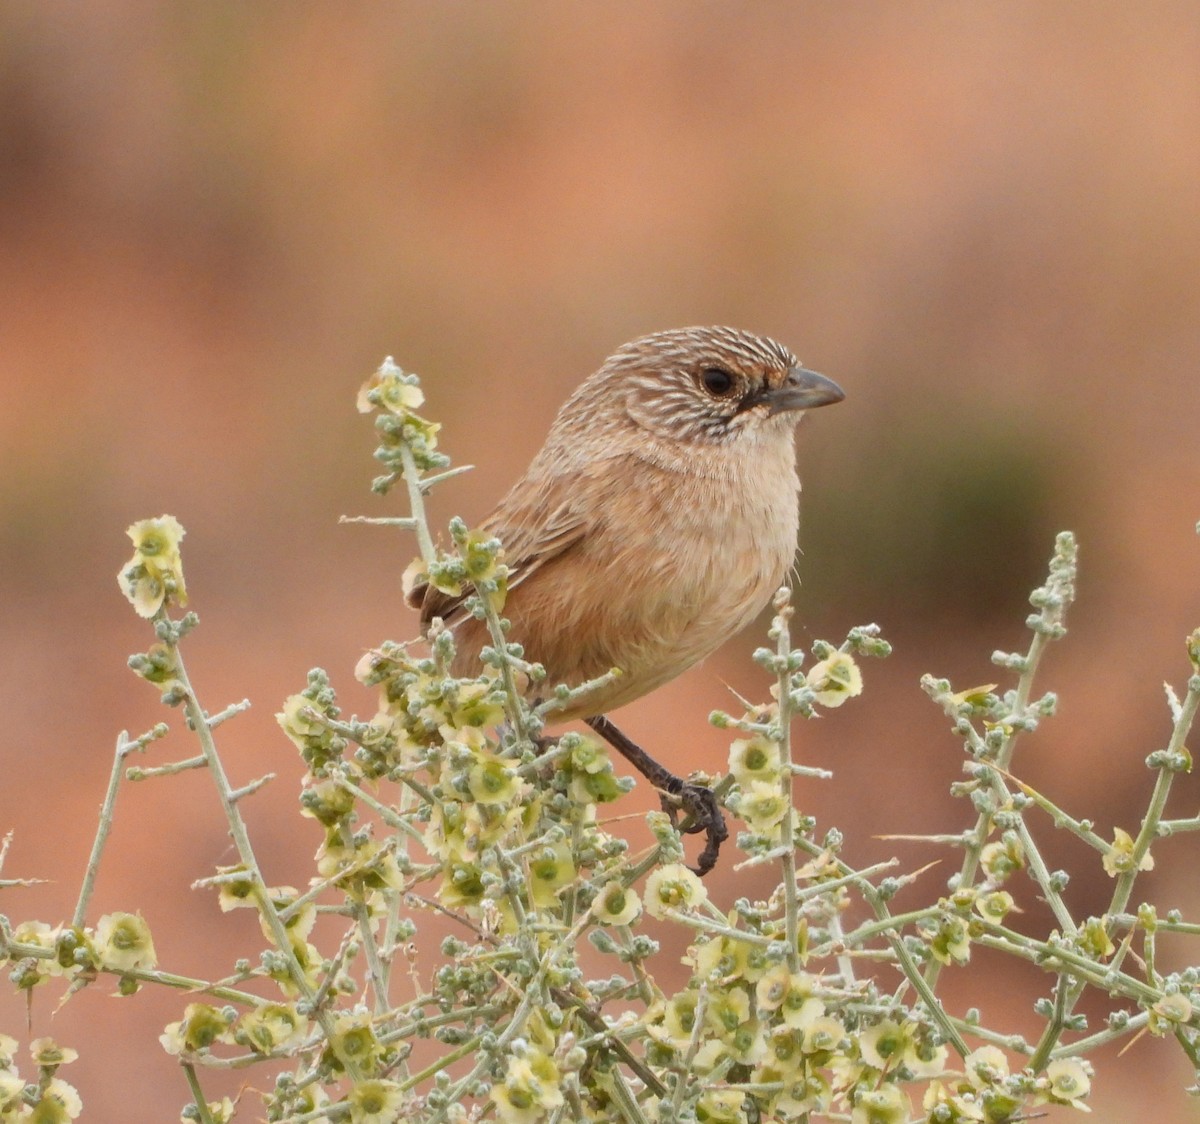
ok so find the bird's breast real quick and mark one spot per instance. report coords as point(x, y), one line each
point(704, 553)
point(675, 566)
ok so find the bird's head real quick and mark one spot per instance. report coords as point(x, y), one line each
point(712, 385)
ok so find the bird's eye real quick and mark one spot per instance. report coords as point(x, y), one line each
point(717, 381)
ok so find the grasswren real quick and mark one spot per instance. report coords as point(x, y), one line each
point(657, 520)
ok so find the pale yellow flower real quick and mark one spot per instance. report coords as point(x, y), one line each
point(1002, 858)
point(673, 886)
point(835, 679)
point(235, 890)
point(155, 571)
point(755, 759)
point(299, 924)
point(273, 1026)
point(1119, 857)
point(762, 804)
point(728, 1008)
point(12, 1086)
point(951, 944)
point(986, 1066)
point(123, 942)
point(492, 779)
point(885, 1105)
point(673, 1021)
point(301, 728)
point(201, 1026)
point(221, 1112)
point(721, 1106)
point(43, 936)
point(883, 1044)
point(462, 886)
point(995, 906)
point(784, 1054)
point(354, 1038)
point(531, 1089)
point(376, 1102)
point(728, 959)
point(1069, 1082)
point(59, 1104)
point(823, 1035)
point(963, 1108)
point(47, 1052)
point(1168, 1013)
point(390, 389)
point(616, 904)
point(550, 869)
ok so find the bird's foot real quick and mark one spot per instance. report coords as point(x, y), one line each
point(696, 801)
point(704, 814)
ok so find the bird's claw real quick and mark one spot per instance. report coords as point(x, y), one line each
point(704, 814)
point(697, 802)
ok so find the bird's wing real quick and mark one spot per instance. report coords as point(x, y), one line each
point(534, 526)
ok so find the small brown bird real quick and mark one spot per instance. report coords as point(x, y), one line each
point(657, 520)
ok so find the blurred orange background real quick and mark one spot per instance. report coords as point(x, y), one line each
point(216, 219)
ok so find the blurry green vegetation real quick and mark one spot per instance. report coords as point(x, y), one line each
point(946, 522)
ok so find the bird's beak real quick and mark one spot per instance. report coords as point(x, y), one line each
point(803, 390)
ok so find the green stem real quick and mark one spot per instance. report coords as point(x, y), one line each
point(197, 1093)
point(685, 1069)
point(1101, 1037)
point(626, 1102)
point(518, 711)
point(19, 950)
point(787, 826)
point(1158, 799)
point(371, 950)
point(124, 746)
point(384, 811)
point(932, 1004)
point(416, 501)
point(198, 720)
point(1054, 597)
point(1066, 992)
point(1044, 955)
point(434, 1068)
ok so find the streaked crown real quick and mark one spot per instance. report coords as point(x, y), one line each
point(700, 384)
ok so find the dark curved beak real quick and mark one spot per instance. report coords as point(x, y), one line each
point(803, 390)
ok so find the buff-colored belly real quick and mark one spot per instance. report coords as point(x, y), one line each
point(650, 596)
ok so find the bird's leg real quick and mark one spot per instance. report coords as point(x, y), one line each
point(698, 801)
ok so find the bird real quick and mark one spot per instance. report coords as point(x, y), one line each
point(657, 520)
